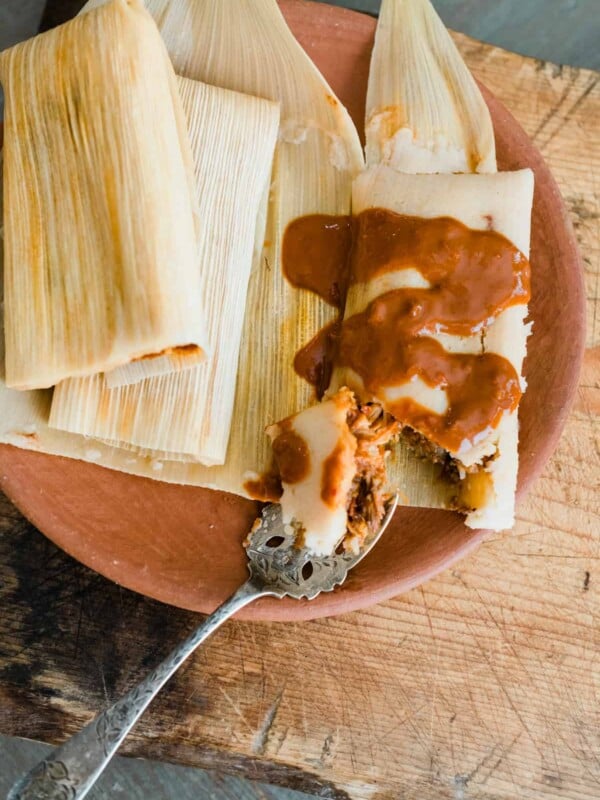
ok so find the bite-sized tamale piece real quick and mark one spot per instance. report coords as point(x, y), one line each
point(435, 327)
point(100, 235)
point(245, 46)
point(425, 112)
point(329, 471)
point(188, 412)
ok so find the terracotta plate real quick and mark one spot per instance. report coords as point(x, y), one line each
point(182, 545)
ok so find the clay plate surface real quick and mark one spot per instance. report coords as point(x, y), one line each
point(182, 545)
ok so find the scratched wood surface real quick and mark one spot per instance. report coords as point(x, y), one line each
point(481, 684)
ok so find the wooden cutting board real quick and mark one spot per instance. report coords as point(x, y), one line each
point(484, 683)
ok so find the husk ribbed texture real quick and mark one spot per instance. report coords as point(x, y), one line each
point(188, 412)
point(425, 112)
point(246, 45)
point(100, 236)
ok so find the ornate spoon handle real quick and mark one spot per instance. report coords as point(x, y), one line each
point(69, 772)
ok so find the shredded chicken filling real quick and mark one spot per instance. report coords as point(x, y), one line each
point(375, 430)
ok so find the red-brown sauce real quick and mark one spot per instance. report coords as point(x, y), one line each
point(292, 456)
point(266, 488)
point(331, 476)
point(291, 464)
point(314, 361)
point(474, 275)
point(380, 349)
point(314, 255)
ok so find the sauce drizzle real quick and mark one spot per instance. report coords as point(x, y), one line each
point(291, 464)
point(292, 456)
point(331, 476)
point(314, 255)
point(473, 275)
point(314, 362)
point(266, 488)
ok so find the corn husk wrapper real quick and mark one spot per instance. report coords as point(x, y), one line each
point(425, 112)
point(245, 46)
point(187, 414)
point(100, 234)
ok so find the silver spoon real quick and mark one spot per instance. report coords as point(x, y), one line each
point(277, 568)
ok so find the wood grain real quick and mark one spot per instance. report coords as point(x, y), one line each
point(482, 684)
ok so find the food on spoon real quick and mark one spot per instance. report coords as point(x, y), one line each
point(99, 228)
point(187, 414)
point(330, 474)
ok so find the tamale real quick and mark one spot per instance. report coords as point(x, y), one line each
point(188, 413)
point(318, 154)
point(100, 234)
point(424, 112)
point(399, 290)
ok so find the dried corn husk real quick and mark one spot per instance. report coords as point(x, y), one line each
point(245, 46)
point(425, 112)
point(188, 413)
point(317, 157)
point(100, 232)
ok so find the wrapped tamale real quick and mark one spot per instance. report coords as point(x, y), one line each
point(187, 413)
point(246, 46)
point(99, 224)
